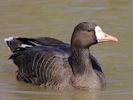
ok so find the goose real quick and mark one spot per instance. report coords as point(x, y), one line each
point(54, 64)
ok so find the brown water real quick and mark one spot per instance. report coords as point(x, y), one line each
point(57, 18)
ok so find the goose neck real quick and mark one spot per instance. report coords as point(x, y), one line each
point(81, 62)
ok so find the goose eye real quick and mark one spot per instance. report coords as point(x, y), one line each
point(89, 30)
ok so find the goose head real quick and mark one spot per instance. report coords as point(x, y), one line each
point(86, 34)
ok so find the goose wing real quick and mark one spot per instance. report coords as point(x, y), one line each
point(22, 43)
point(42, 65)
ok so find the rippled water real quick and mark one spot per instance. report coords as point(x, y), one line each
point(35, 18)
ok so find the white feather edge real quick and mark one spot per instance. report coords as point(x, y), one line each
point(25, 45)
point(10, 38)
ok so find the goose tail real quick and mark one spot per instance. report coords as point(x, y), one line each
point(17, 43)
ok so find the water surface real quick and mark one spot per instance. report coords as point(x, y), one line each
point(35, 18)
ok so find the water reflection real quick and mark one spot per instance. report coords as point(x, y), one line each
point(40, 94)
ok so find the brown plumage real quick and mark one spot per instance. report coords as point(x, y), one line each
point(55, 64)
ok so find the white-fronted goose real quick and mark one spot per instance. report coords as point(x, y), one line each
point(59, 65)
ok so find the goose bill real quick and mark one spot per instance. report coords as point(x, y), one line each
point(107, 38)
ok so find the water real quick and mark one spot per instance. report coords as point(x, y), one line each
point(35, 18)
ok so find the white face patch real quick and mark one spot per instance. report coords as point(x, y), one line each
point(99, 33)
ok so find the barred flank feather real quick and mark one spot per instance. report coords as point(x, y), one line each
point(42, 67)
